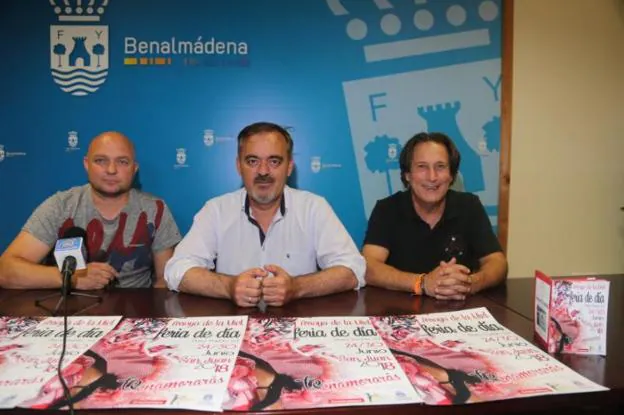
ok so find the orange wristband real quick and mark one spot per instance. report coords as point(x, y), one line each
point(418, 284)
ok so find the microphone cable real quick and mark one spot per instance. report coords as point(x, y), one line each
point(66, 390)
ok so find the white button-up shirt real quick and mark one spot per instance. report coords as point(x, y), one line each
point(305, 236)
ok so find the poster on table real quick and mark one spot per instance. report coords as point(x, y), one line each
point(30, 348)
point(289, 363)
point(182, 363)
point(467, 356)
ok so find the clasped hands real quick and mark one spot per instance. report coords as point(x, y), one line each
point(271, 283)
point(448, 281)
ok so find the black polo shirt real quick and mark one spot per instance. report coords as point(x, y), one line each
point(463, 232)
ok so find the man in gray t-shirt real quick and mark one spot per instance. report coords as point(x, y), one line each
point(130, 235)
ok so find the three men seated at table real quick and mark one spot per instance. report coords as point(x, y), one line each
point(266, 241)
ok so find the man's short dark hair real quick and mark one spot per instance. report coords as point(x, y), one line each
point(265, 127)
point(407, 154)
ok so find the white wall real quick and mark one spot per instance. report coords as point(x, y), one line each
point(567, 145)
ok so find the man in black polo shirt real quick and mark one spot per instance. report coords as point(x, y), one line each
point(429, 239)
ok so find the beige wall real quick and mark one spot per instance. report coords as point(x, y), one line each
point(567, 150)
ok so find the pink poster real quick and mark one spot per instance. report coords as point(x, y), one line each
point(467, 356)
point(30, 349)
point(153, 363)
point(571, 314)
point(288, 363)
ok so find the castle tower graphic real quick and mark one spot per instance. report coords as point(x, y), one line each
point(78, 52)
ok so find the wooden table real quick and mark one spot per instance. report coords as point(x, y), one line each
point(366, 302)
point(6, 294)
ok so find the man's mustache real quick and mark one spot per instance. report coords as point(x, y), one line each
point(263, 179)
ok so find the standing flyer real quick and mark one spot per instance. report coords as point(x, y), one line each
point(571, 314)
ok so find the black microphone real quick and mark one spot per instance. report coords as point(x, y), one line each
point(72, 232)
point(71, 254)
point(67, 270)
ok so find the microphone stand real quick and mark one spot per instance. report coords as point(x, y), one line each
point(67, 272)
point(62, 299)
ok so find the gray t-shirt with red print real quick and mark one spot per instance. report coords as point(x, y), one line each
point(145, 226)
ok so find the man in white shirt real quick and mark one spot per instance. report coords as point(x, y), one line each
point(265, 241)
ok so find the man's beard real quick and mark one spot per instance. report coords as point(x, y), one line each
point(268, 198)
point(264, 200)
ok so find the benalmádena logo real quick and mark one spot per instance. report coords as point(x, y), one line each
point(79, 52)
